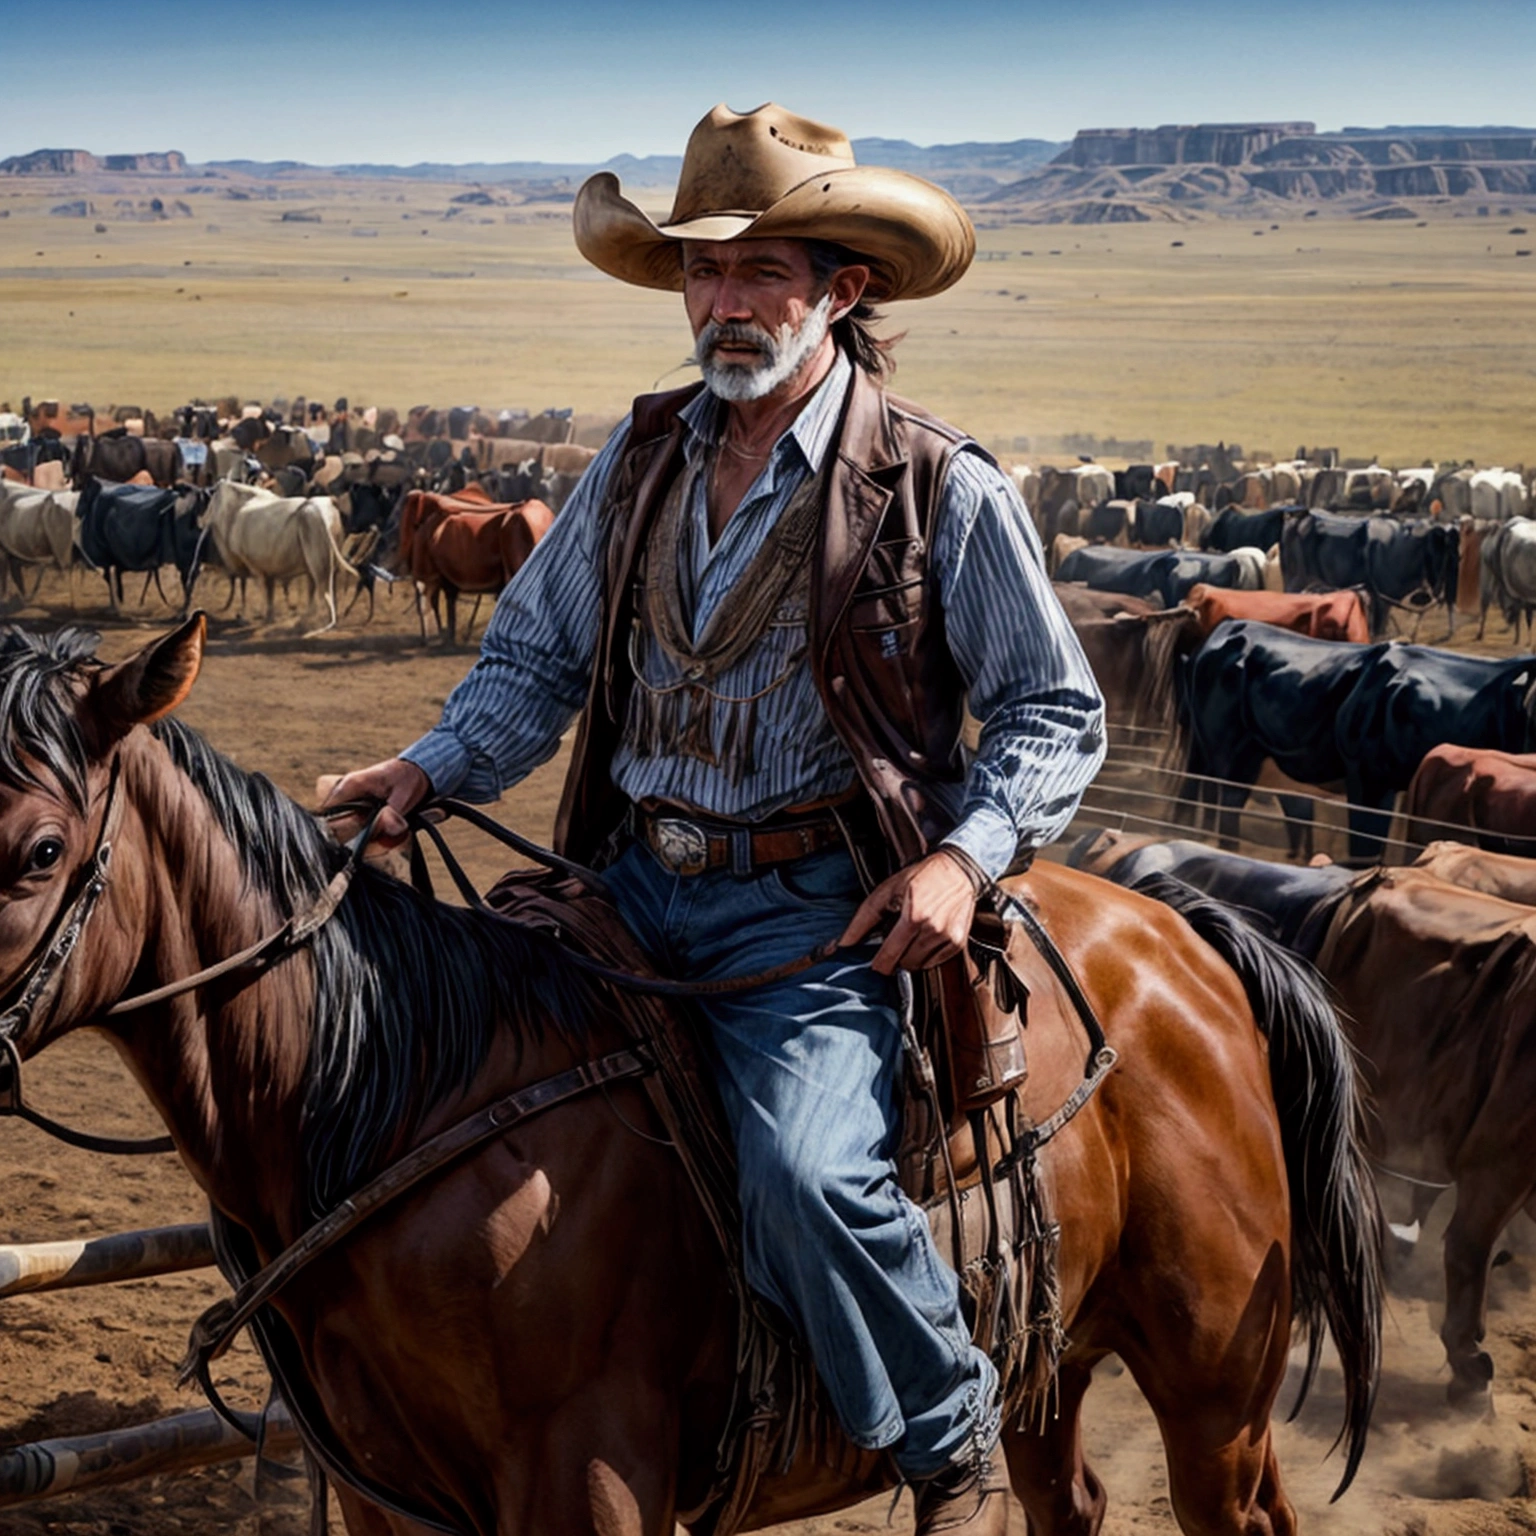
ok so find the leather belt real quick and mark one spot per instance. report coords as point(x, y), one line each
point(690, 847)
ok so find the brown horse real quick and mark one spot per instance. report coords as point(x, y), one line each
point(542, 1340)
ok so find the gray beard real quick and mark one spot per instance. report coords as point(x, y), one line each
point(782, 355)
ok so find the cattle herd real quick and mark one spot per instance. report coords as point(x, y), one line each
point(451, 499)
point(1246, 647)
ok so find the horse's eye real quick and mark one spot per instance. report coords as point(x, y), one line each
point(46, 854)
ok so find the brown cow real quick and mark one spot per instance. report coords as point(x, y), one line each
point(1491, 794)
point(1469, 569)
point(1504, 875)
point(1322, 615)
point(1439, 986)
point(450, 545)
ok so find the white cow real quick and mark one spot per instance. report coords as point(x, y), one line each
point(255, 533)
point(1094, 484)
point(1027, 480)
point(1250, 564)
point(1498, 494)
point(36, 528)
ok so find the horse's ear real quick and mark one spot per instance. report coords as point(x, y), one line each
point(149, 684)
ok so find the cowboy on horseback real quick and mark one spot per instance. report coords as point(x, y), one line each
point(773, 597)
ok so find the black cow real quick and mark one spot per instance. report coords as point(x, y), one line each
point(1158, 524)
point(1353, 717)
point(1233, 528)
point(25, 457)
point(526, 482)
point(1254, 693)
point(117, 456)
point(141, 528)
point(374, 509)
point(1134, 483)
point(1106, 522)
point(1395, 560)
point(1166, 574)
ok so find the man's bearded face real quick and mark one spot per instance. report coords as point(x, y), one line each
point(743, 361)
point(757, 310)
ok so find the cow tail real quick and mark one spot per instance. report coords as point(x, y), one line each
point(337, 555)
point(1170, 636)
point(1336, 1223)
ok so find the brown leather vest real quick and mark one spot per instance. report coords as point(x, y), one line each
point(890, 687)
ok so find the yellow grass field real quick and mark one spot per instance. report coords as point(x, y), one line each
point(1380, 338)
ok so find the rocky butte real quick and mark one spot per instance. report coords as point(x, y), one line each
point(80, 162)
point(1133, 175)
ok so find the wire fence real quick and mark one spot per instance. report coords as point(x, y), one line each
point(1186, 809)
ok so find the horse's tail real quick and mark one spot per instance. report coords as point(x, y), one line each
point(1336, 1225)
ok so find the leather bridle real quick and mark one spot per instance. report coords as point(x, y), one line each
point(53, 951)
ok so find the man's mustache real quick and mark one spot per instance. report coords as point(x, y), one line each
point(733, 333)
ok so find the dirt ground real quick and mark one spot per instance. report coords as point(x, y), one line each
point(88, 1359)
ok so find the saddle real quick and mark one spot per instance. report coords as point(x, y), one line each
point(974, 1174)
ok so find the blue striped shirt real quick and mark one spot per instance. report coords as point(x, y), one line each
point(1042, 736)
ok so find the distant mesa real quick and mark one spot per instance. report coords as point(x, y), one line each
point(1173, 173)
point(1180, 171)
point(1201, 144)
point(80, 162)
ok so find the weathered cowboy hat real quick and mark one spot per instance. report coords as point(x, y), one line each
point(771, 175)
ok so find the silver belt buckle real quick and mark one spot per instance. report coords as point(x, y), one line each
point(683, 846)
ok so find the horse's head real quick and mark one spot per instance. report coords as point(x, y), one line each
point(64, 724)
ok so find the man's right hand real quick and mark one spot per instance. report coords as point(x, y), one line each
point(399, 784)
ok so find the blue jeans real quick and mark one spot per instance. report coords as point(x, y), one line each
point(809, 1071)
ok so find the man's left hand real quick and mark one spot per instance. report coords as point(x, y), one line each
point(934, 901)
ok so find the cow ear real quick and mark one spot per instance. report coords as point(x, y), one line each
point(149, 684)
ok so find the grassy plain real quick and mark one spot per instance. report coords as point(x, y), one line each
point(1387, 338)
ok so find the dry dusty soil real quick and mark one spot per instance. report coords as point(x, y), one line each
point(1396, 338)
point(72, 1362)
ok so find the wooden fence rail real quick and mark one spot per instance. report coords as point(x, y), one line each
point(77, 1463)
point(97, 1260)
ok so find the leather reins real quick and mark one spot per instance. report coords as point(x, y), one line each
point(59, 941)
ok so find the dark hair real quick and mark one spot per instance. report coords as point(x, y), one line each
point(855, 332)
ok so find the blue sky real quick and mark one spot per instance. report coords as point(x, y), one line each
point(476, 80)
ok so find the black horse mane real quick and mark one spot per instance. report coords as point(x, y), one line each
point(409, 993)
